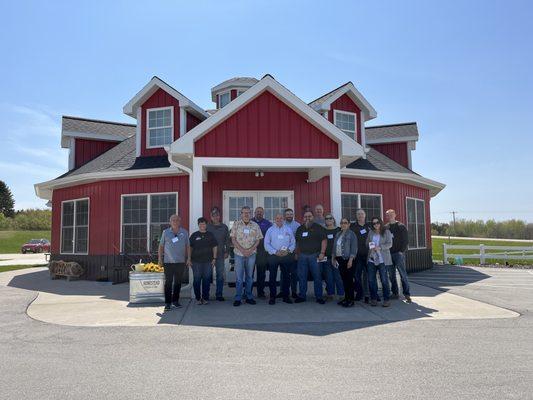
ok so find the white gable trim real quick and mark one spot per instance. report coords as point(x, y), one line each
point(348, 148)
point(349, 89)
point(150, 88)
point(399, 139)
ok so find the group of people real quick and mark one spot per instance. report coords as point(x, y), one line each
point(348, 257)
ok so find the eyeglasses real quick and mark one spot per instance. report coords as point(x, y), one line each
point(329, 218)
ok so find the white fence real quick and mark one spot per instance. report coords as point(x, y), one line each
point(486, 252)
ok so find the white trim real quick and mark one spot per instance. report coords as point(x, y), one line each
point(335, 112)
point(368, 111)
point(44, 190)
point(416, 223)
point(74, 226)
point(363, 135)
point(405, 177)
point(358, 194)
point(399, 139)
point(349, 149)
point(335, 191)
point(183, 122)
point(88, 135)
point(148, 217)
point(273, 163)
point(138, 133)
point(232, 84)
point(228, 92)
point(171, 108)
point(72, 154)
point(150, 88)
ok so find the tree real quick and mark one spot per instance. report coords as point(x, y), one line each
point(7, 204)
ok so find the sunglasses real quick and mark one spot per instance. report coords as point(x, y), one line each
point(376, 223)
point(329, 218)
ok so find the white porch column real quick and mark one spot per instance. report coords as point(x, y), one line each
point(196, 188)
point(335, 192)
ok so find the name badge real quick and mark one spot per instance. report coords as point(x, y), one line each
point(246, 231)
point(339, 242)
point(280, 236)
point(362, 231)
point(175, 239)
point(198, 238)
point(304, 234)
point(330, 236)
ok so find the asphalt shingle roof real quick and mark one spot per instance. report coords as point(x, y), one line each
point(323, 98)
point(376, 161)
point(83, 125)
point(395, 131)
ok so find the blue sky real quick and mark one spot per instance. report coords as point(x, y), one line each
point(461, 69)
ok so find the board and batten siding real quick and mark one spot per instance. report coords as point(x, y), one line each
point(86, 150)
point(344, 103)
point(105, 207)
point(395, 151)
point(267, 128)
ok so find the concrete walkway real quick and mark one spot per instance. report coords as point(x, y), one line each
point(84, 303)
point(23, 259)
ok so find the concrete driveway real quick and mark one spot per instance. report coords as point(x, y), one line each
point(23, 259)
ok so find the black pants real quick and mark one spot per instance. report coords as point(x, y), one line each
point(173, 275)
point(347, 275)
point(261, 266)
point(284, 264)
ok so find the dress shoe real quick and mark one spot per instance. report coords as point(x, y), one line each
point(251, 301)
point(287, 300)
point(321, 301)
point(272, 302)
point(299, 300)
point(236, 303)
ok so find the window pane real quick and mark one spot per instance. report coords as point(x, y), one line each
point(345, 122)
point(411, 222)
point(421, 223)
point(163, 206)
point(82, 212)
point(223, 99)
point(372, 206)
point(275, 205)
point(155, 234)
point(349, 206)
point(135, 208)
point(67, 236)
point(81, 239)
point(68, 214)
point(159, 118)
point(134, 239)
point(160, 136)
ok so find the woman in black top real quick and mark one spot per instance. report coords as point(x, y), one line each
point(203, 257)
point(332, 275)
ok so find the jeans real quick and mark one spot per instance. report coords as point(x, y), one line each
point(261, 265)
point(373, 283)
point(398, 262)
point(202, 274)
point(173, 276)
point(361, 277)
point(220, 270)
point(333, 279)
point(306, 263)
point(244, 272)
point(347, 278)
point(284, 263)
point(293, 276)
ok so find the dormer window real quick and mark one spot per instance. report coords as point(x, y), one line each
point(160, 127)
point(346, 122)
point(239, 92)
point(223, 99)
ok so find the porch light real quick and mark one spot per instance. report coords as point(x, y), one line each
point(259, 173)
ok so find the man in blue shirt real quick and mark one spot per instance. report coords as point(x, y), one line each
point(293, 271)
point(261, 260)
point(280, 245)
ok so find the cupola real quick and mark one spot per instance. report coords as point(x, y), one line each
point(229, 90)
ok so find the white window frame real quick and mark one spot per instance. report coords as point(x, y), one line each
point(171, 108)
point(219, 95)
point(416, 222)
point(74, 226)
point(354, 132)
point(359, 201)
point(240, 91)
point(148, 217)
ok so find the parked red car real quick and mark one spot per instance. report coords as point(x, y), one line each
point(36, 246)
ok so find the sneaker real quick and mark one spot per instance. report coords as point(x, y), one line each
point(177, 304)
point(167, 307)
point(299, 300)
point(348, 304)
point(408, 299)
point(272, 302)
point(294, 296)
point(367, 300)
point(287, 300)
point(386, 303)
point(199, 302)
point(205, 302)
point(321, 301)
point(220, 298)
point(251, 301)
point(236, 303)
point(394, 296)
point(373, 303)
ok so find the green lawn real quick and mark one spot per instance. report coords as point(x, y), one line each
point(4, 268)
point(11, 241)
point(438, 242)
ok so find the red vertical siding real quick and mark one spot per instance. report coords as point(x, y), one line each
point(344, 103)
point(396, 151)
point(393, 194)
point(159, 99)
point(105, 206)
point(192, 121)
point(266, 127)
point(88, 149)
point(304, 193)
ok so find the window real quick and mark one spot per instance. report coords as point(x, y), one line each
point(144, 217)
point(160, 127)
point(371, 203)
point(274, 205)
point(75, 226)
point(223, 99)
point(345, 121)
point(239, 92)
point(416, 223)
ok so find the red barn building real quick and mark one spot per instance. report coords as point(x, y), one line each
point(262, 146)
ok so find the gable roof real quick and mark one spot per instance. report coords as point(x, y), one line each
point(404, 132)
point(377, 161)
point(94, 129)
point(150, 88)
point(349, 149)
point(323, 103)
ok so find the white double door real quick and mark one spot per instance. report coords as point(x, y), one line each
point(273, 202)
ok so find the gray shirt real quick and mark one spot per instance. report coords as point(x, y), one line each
point(221, 233)
point(174, 245)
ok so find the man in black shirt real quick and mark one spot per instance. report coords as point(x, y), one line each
point(203, 256)
point(400, 242)
point(311, 244)
point(361, 229)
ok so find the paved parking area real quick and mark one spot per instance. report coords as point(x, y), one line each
point(22, 259)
